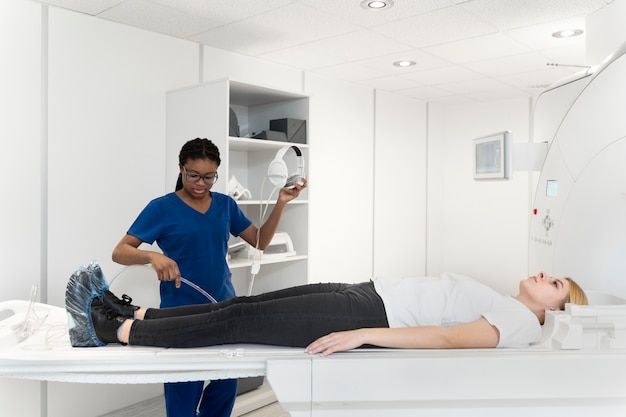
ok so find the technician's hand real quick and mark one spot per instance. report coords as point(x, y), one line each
point(166, 268)
point(336, 342)
point(288, 194)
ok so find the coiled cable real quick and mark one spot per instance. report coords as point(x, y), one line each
point(183, 280)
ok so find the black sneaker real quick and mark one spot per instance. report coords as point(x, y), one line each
point(121, 307)
point(105, 322)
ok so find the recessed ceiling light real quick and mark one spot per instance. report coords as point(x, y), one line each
point(404, 63)
point(567, 33)
point(376, 5)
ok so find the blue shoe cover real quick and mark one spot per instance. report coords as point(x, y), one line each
point(99, 283)
point(78, 297)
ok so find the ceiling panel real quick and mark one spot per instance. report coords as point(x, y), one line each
point(280, 28)
point(155, 17)
point(464, 50)
point(437, 27)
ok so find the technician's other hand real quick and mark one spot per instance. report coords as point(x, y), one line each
point(336, 342)
point(288, 194)
point(166, 268)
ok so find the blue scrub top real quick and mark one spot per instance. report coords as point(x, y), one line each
point(197, 242)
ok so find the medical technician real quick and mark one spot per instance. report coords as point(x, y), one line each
point(192, 227)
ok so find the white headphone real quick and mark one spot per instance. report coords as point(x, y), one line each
point(278, 173)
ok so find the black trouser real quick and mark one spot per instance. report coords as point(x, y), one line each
point(291, 317)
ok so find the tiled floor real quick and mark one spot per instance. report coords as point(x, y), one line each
point(272, 410)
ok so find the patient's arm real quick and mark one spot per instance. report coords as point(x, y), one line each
point(476, 334)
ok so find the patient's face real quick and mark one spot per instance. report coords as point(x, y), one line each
point(546, 290)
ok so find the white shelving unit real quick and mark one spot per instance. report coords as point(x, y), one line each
point(203, 111)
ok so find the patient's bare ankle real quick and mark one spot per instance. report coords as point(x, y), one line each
point(123, 332)
point(140, 313)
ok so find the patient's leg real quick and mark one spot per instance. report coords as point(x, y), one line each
point(296, 320)
point(297, 291)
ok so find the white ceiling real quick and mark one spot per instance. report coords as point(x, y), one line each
point(466, 50)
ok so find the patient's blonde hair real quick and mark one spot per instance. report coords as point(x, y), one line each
point(576, 294)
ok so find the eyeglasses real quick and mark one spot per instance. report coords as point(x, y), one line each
point(194, 177)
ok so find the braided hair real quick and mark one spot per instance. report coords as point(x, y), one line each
point(197, 149)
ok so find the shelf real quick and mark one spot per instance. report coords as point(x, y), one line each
point(248, 144)
point(235, 263)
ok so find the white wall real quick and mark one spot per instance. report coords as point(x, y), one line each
point(435, 250)
point(222, 64)
point(107, 85)
point(20, 174)
point(341, 180)
point(400, 169)
point(477, 228)
point(20, 147)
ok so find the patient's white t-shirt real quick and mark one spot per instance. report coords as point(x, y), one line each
point(453, 299)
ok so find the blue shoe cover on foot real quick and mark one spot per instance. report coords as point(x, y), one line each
point(99, 283)
point(78, 297)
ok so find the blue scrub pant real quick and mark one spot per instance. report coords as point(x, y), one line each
point(187, 399)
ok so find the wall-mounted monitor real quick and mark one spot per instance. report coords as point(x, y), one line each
point(492, 156)
point(552, 188)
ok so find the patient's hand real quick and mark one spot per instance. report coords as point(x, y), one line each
point(337, 342)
